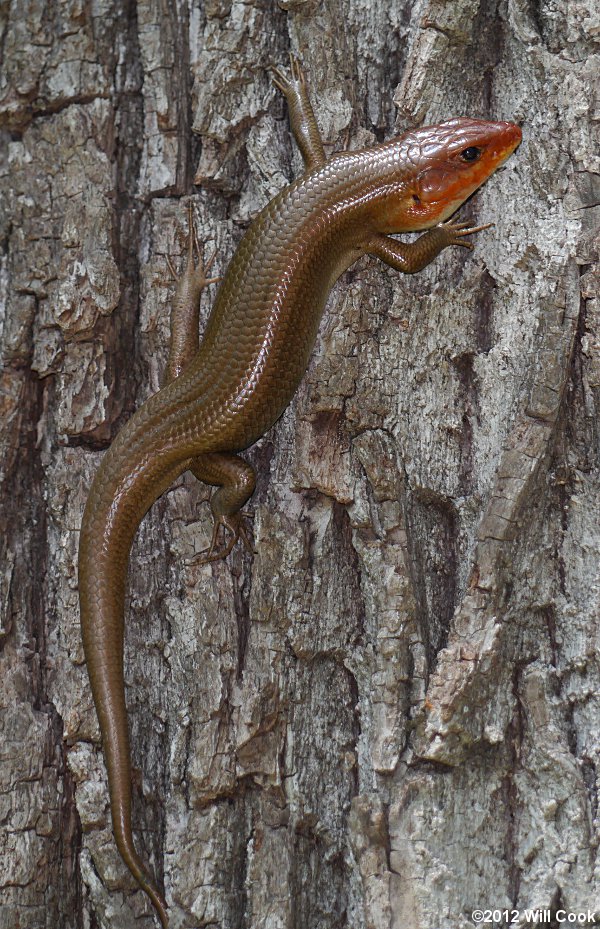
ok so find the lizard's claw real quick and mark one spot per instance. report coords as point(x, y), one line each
point(292, 83)
point(196, 269)
point(238, 531)
point(456, 231)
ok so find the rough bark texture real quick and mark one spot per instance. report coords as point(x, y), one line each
point(389, 716)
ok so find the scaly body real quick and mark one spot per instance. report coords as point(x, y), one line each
point(226, 393)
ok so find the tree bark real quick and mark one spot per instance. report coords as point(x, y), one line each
point(388, 716)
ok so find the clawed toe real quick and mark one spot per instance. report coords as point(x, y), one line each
point(457, 231)
point(238, 532)
point(289, 82)
point(279, 79)
point(296, 69)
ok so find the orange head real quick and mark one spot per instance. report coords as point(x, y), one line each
point(445, 163)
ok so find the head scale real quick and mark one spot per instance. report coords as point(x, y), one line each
point(448, 162)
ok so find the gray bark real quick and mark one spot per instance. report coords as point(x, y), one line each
point(388, 717)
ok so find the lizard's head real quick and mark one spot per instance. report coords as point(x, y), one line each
point(448, 162)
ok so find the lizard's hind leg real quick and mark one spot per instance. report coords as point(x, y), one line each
point(234, 477)
point(185, 311)
point(236, 480)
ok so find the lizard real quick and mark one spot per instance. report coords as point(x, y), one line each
point(221, 395)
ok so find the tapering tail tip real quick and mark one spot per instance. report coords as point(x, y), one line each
point(158, 901)
point(159, 905)
point(145, 881)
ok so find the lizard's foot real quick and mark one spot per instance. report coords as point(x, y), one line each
point(195, 265)
point(289, 84)
point(454, 232)
point(195, 268)
point(302, 117)
point(202, 272)
point(236, 527)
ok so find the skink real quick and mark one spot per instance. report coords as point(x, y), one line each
point(224, 394)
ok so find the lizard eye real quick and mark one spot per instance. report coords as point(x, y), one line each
point(471, 153)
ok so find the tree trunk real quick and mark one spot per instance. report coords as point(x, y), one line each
point(387, 717)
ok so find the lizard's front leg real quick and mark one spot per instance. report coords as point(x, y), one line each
point(410, 257)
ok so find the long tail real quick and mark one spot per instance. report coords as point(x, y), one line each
point(119, 498)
